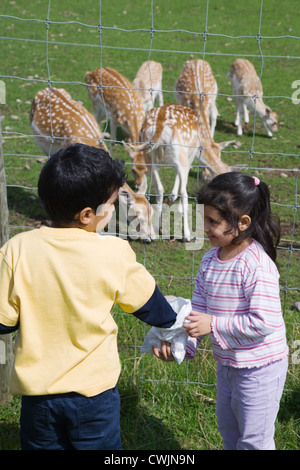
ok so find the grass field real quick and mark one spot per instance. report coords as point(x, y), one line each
point(164, 406)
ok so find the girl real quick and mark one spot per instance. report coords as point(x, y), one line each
point(236, 301)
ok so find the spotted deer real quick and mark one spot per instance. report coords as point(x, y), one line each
point(173, 135)
point(58, 121)
point(248, 91)
point(197, 87)
point(148, 82)
point(114, 96)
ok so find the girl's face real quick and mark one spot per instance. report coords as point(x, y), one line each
point(217, 229)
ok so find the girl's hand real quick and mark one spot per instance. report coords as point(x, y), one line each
point(200, 324)
point(165, 353)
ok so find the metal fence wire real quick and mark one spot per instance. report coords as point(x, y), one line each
point(253, 160)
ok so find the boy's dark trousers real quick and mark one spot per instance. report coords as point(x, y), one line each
point(71, 421)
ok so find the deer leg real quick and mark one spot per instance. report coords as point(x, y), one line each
point(246, 114)
point(213, 117)
point(159, 192)
point(184, 172)
point(99, 111)
point(174, 194)
point(113, 134)
point(160, 98)
point(239, 114)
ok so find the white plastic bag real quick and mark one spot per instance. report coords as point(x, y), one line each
point(176, 335)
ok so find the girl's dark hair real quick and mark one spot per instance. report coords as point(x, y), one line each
point(234, 194)
point(76, 177)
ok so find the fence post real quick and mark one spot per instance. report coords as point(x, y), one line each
point(6, 352)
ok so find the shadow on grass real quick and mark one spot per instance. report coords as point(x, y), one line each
point(288, 434)
point(26, 203)
point(139, 429)
point(228, 127)
point(290, 406)
point(9, 436)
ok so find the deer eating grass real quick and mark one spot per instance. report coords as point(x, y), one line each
point(173, 135)
point(58, 121)
point(248, 91)
point(113, 96)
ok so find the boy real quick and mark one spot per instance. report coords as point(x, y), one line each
point(58, 287)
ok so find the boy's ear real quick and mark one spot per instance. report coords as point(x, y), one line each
point(85, 215)
point(244, 222)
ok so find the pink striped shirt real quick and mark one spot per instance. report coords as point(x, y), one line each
point(242, 295)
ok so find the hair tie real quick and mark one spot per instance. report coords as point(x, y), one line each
point(256, 181)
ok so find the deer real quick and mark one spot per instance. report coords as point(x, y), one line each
point(113, 96)
point(197, 87)
point(173, 134)
point(248, 91)
point(148, 82)
point(58, 121)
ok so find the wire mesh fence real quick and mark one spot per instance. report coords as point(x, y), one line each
point(56, 47)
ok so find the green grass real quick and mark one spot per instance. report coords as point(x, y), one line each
point(164, 406)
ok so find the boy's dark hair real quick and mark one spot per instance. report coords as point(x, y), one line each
point(234, 194)
point(76, 177)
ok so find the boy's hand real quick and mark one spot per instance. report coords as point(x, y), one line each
point(200, 324)
point(165, 353)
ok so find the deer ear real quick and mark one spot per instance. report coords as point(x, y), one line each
point(268, 111)
point(225, 144)
point(128, 147)
point(132, 149)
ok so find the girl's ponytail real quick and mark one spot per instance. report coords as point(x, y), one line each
point(264, 227)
